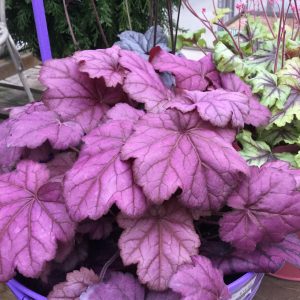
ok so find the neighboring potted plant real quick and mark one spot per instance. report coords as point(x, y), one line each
point(265, 54)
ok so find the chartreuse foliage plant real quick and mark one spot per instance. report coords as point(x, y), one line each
point(265, 55)
point(267, 58)
point(120, 185)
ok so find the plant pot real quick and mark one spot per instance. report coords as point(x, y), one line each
point(288, 271)
point(244, 288)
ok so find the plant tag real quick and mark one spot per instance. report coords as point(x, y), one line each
point(244, 291)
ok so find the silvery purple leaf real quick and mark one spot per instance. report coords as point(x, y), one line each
point(259, 115)
point(72, 94)
point(189, 74)
point(124, 112)
point(60, 164)
point(118, 287)
point(158, 242)
point(34, 128)
point(265, 208)
point(76, 283)
point(173, 150)
point(199, 280)
point(99, 178)
point(33, 217)
point(288, 249)
point(143, 84)
point(101, 63)
point(9, 156)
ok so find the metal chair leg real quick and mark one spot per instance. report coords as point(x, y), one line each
point(15, 56)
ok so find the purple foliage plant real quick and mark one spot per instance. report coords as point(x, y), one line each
point(136, 188)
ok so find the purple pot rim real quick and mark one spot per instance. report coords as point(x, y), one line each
point(19, 289)
point(16, 286)
point(238, 283)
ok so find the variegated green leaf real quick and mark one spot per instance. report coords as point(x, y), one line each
point(272, 93)
point(290, 110)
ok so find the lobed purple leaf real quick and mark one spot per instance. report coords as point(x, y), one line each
point(259, 261)
point(189, 74)
point(143, 84)
point(124, 112)
point(119, 287)
point(288, 249)
point(76, 283)
point(219, 107)
point(33, 217)
point(159, 242)
point(60, 164)
point(101, 63)
point(142, 43)
point(258, 115)
point(264, 209)
point(73, 95)
point(99, 178)
point(32, 129)
point(199, 280)
point(174, 150)
point(9, 156)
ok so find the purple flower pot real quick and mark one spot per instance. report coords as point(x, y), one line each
point(243, 288)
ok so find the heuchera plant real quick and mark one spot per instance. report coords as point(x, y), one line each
point(136, 188)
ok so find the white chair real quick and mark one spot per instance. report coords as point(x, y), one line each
point(6, 39)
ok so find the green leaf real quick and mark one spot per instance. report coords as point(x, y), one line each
point(256, 153)
point(288, 157)
point(272, 93)
point(297, 160)
point(290, 110)
point(179, 43)
point(289, 134)
point(199, 33)
point(225, 38)
point(290, 74)
point(227, 61)
point(264, 57)
point(288, 30)
point(220, 13)
point(188, 35)
point(201, 43)
point(256, 30)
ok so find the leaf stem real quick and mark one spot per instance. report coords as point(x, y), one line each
point(100, 28)
point(75, 42)
point(279, 37)
point(221, 24)
point(177, 24)
point(169, 9)
point(203, 21)
point(107, 265)
point(155, 8)
point(74, 149)
point(298, 19)
point(128, 14)
point(283, 49)
point(267, 19)
point(239, 32)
